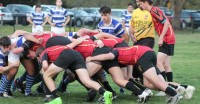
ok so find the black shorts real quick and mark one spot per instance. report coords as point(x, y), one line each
point(57, 40)
point(149, 42)
point(147, 61)
point(107, 63)
point(70, 59)
point(122, 44)
point(167, 49)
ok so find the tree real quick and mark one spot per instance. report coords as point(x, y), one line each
point(177, 6)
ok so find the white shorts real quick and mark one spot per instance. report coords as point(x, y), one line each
point(38, 28)
point(58, 30)
point(12, 57)
point(18, 41)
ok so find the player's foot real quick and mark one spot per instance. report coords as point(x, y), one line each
point(106, 98)
point(142, 98)
point(6, 95)
point(121, 90)
point(180, 90)
point(19, 86)
point(189, 92)
point(160, 93)
point(91, 95)
point(55, 101)
point(114, 94)
point(174, 100)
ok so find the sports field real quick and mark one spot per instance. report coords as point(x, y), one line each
point(185, 65)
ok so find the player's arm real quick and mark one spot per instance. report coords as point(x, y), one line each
point(101, 57)
point(32, 38)
point(18, 33)
point(163, 33)
point(103, 35)
point(67, 20)
point(29, 19)
point(25, 46)
point(45, 21)
point(77, 42)
point(48, 18)
point(131, 31)
point(160, 17)
point(10, 66)
point(90, 32)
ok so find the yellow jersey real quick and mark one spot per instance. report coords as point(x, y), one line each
point(142, 24)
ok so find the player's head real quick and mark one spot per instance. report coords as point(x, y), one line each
point(5, 44)
point(29, 54)
point(59, 3)
point(105, 13)
point(39, 51)
point(130, 7)
point(38, 8)
point(144, 4)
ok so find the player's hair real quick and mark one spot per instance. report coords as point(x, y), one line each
point(5, 41)
point(149, 1)
point(38, 6)
point(105, 10)
point(130, 4)
point(39, 51)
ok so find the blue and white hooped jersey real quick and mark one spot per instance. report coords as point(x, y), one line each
point(115, 28)
point(2, 58)
point(126, 17)
point(37, 18)
point(71, 35)
point(18, 41)
point(58, 16)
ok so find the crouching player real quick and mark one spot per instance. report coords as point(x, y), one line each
point(63, 57)
point(146, 60)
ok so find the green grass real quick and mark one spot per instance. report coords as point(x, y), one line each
point(185, 65)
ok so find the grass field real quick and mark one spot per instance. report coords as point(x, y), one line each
point(185, 64)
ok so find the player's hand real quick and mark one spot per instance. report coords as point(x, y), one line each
point(133, 38)
point(34, 25)
point(15, 64)
point(43, 24)
point(99, 43)
point(88, 59)
point(63, 24)
point(160, 41)
point(40, 40)
point(18, 50)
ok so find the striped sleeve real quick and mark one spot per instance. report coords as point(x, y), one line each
point(124, 17)
point(158, 15)
point(50, 12)
point(1, 59)
point(119, 30)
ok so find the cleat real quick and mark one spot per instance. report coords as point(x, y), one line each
point(142, 98)
point(48, 98)
point(174, 100)
point(121, 90)
point(19, 86)
point(91, 95)
point(55, 101)
point(189, 92)
point(29, 94)
point(180, 90)
point(114, 95)
point(106, 98)
point(6, 95)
